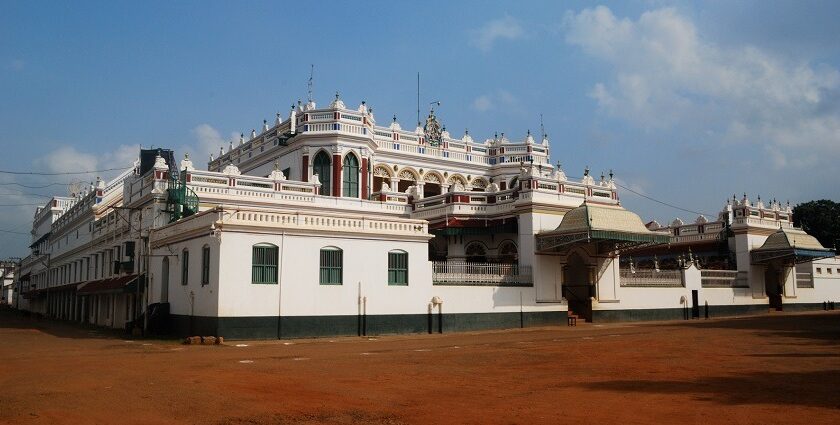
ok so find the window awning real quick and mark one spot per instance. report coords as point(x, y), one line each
point(612, 227)
point(114, 285)
point(790, 246)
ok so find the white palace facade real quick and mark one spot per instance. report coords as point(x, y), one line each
point(325, 223)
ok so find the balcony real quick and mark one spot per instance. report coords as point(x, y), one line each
point(461, 273)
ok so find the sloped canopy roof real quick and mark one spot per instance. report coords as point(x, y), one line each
point(790, 244)
point(600, 223)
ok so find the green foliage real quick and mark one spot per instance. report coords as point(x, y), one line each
point(821, 219)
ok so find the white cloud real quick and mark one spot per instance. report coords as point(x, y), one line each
point(482, 103)
point(501, 99)
point(207, 140)
point(666, 76)
point(506, 28)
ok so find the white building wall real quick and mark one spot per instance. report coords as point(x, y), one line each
point(299, 293)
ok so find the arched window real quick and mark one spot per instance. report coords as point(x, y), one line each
point(508, 252)
point(164, 281)
point(264, 263)
point(321, 166)
point(350, 170)
point(185, 267)
point(332, 265)
point(475, 253)
point(397, 267)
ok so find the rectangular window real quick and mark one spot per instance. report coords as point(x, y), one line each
point(264, 264)
point(398, 268)
point(331, 266)
point(185, 267)
point(205, 265)
point(819, 270)
point(828, 269)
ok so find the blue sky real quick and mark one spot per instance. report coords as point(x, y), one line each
point(687, 102)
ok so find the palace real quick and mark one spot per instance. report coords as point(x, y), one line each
point(325, 223)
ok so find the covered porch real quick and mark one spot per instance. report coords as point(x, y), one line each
point(585, 249)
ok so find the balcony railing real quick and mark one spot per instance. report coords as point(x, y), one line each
point(462, 273)
point(651, 278)
point(723, 279)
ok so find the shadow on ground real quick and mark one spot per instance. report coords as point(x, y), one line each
point(755, 388)
point(810, 326)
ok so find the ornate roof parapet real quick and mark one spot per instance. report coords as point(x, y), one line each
point(466, 138)
point(276, 174)
point(241, 140)
point(759, 204)
point(587, 179)
point(529, 139)
point(362, 107)
point(186, 163)
point(545, 140)
point(265, 125)
point(253, 134)
point(745, 202)
point(310, 106)
point(558, 173)
point(278, 120)
point(677, 222)
point(701, 219)
point(611, 182)
point(395, 126)
point(503, 140)
point(231, 170)
point(337, 103)
point(160, 163)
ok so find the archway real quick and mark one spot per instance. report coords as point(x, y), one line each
point(577, 288)
point(432, 184)
point(381, 175)
point(773, 286)
point(408, 178)
point(475, 252)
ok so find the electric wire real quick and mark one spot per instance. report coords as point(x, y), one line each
point(69, 173)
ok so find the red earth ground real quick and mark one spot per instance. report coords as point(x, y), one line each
point(779, 368)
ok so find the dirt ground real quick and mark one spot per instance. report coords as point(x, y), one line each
point(779, 368)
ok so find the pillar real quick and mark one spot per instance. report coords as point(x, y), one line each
point(364, 194)
point(336, 175)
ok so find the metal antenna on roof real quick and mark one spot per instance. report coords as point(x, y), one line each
point(309, 84)
point(418, 98)
point(542, 129)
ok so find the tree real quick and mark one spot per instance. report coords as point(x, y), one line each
point(821, 219)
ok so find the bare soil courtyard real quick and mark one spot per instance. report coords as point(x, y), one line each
point(777, 368)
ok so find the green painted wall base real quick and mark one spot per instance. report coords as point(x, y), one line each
point(321, 326)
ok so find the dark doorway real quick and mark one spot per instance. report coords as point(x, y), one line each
point(695, 304)
point(773, 286)
point(577, 289)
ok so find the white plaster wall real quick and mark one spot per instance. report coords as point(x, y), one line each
point(204, 297)
point(299, 293)
point(490, 299)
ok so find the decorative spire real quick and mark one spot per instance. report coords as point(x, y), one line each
point(265, 125)
point(253, 133)
point(278, 120)
point(241, 138)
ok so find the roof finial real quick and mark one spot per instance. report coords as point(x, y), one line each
point(395, 117)
point(611, 174)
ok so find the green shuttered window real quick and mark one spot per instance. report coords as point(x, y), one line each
point(264, 264)
point(351, 177)
point(332, 261)
point(321, 166)
point(185, 267)
point(397, 268)
point(205, 265)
